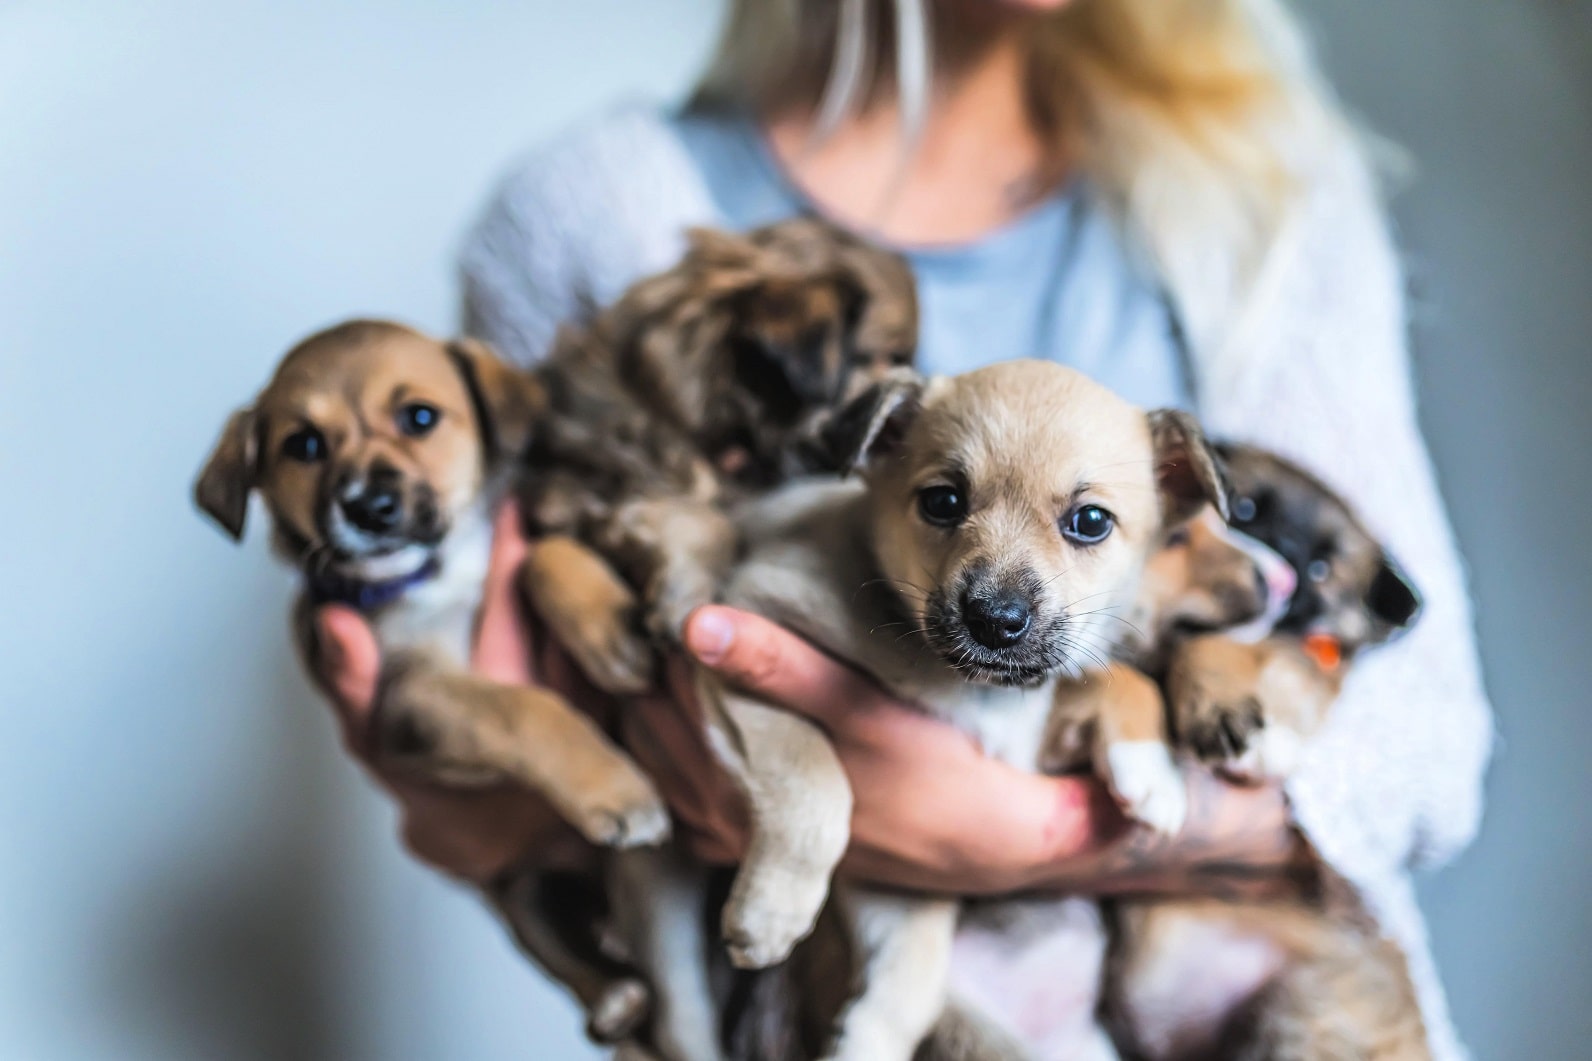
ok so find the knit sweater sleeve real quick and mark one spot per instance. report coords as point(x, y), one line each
point(573, 224)
point(1395, 778)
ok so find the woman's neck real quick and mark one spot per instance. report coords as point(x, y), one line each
point(972, 169)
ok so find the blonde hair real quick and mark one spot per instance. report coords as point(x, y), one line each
point(1194, 118)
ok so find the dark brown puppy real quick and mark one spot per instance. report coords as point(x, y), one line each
point(1308, 976)
point(700, 386)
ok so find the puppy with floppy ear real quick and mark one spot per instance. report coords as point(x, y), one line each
point(381, 454)
point(1309, 975)
point(986, 506)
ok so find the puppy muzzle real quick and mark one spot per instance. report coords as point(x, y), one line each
point(379, 512)
point(997, 630)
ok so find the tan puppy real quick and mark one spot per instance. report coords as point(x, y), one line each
point(381, 455)
point(1002, 516)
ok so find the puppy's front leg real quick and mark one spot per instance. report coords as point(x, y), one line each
point(448, 722)
point(1247, 709)
point(800, 803)
point(678, 550)
point(904, 948)
point(1132, 750)
point(591, 611)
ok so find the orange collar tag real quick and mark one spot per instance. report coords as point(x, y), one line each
point(1325, 650)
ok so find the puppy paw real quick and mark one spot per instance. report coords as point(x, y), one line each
point(760, 934)
point(618, 1011)
point(1220, 731)
point(1271, 755)
point(629, 814)
point(1147, 783)
point(613, 655)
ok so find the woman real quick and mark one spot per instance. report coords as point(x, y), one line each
point(1158, 192)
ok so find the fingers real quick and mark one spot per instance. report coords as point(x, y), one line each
point(349, 662)
point(503, 646)
point(763, 658)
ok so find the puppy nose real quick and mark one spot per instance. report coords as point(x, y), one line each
point(999, 620)
point(377, 509)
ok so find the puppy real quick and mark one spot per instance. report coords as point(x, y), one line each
point(1206, 577)
point(381, 455)
point(999, 517)
point(1248, 706)
point(1307, 976)
point(1250, 641)
point(701, 388)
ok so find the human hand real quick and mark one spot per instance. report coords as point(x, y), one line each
point(931, 811)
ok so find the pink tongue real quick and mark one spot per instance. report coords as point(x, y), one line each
point(1281, 582)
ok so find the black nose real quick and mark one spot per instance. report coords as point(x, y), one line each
point(996, 620)
point(378, 509)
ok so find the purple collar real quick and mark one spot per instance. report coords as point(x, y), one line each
point(332, 588)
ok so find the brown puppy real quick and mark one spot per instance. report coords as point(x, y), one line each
point(1204, 577)
point(1248, 708)
point(701, 386)
point(380, 454)
point(1308, 976)
point(1003, 515)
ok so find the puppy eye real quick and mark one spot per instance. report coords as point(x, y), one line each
point(943, 506)
point(306, 446)
point(1243, 509)
point(1088, 524)
point(1177, 538)
point(1318, 570)
point(418, 418)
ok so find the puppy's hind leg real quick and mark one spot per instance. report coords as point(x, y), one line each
point(445, 723)
point(800, 804)
point(561, 937)
point(658, 898)
point(1352, 1000)
point(904, 948)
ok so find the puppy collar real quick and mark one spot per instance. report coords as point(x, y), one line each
point(328, 587)
point(1326, 650)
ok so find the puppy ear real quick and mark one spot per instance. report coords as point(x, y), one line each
point(1392, 597)
point(223, 487)
point(885, 317)
point(1186, 472)
point(506, 400)
point(873, 423)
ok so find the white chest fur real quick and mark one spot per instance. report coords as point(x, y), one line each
point(437, 616)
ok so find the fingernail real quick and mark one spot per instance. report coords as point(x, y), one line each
point(710, 634)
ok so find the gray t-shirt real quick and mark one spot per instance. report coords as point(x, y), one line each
point(1056, 283)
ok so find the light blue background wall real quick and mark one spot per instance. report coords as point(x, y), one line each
point(189, 869)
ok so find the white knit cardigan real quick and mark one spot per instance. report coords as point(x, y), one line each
point(1318, 371)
